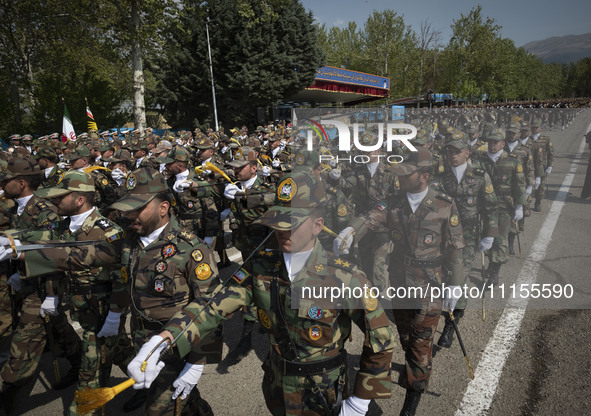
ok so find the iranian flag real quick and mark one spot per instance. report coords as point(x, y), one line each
point(68, 132)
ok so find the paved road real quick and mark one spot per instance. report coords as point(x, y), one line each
point(532, 361)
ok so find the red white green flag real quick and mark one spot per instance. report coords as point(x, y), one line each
point(68, 132)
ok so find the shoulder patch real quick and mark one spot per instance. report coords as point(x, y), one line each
point(445, 197)
point(240, 275)
point(341, 264)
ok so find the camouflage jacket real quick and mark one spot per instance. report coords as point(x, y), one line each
point(6, 205)
point(86, 266)
point(337, 215)
point(433, 233)
point(474, 196)
point(507, 178)
point(255, 201)
point(316, 332)
point(105, 192)
point(542, 152)
point(527, 161)
point(55, 175)
point(164, 277)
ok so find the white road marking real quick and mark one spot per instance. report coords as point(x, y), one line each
point(481, 390)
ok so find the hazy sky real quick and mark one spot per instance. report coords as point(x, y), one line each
point(521, 20)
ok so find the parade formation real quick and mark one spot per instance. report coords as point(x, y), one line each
point(125, 233)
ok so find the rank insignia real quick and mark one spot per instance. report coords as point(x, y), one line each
point(489, 188)
point(104, 182)
point(454, 220)
point(300, 159)
point(429, 201)
point(173, 201)
point(286, 190)
point(203, 271)
point(240, 275)
point(441, 169)
point(169, 250)
point(470, 191)
point(428, 239)
point(470, 201)
point(342, 210)
point(190, 204)
point(520, 168)
point(319, 268)
point(197, 255)
point(124, 275)
point(396, 235)
point(131, 182)
point(315, 312)
point(158, 285)
point(370, 303)
point(104, 224)
point(264, 319)
point(315, 332)
point(161, 266)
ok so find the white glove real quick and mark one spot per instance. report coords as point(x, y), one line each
point(144, 379)
point(14, 281)
point(6, 253)
point(276, 163)
point(118, 174)
point(49, 306)
point(335, 173)
point(332, 162)
point(111, 326)
point(231, 190)
point(208, 240)
point(342, 243)
point(224, 149)
point(283, 144)
point(528, 191)
point(354, 406)
point(266, 171)
point(180, 186)
point(537, 182)
point(485, 244)
point(548, 170)
point(225, 214)
point(62, 165)
point(451, 296)
point(188, 379)
point(518, 213)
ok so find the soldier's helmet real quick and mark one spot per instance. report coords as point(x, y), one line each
point(142, 187)
point(19, 166)
point(71, 181)
point(297, 196)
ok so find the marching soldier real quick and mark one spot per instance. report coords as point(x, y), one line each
point(543, 153)
point(305, 372)
point(425, 228)
point(473, 192)
point(47, 160)
point(506, 173)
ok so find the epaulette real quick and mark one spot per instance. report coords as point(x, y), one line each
point(41, 205)
point(267, 255)
point(331, 189)
point(340, 263)
point(187, 236)
point(445, 197)
point(478, 171)
point(104, 224)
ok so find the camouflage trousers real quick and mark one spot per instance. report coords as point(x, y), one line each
point(293, 395)
point(540, 193)
point(29, 340)
point(468, 253)
point(159, 402)
point(5, 319)
point(416, 328)
point(374, 249)
point(499, 253)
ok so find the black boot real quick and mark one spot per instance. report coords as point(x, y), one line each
point(411, 402)
point(493, 273)
point(512, 244)
point(241, 350)
point(72, 376)
point(447, 335)
point(7, 398)
point(538, 206)
point(137, 400)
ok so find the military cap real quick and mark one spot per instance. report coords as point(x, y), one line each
point(15, 137)
point(243, 157)
point(298, 194)
point(524, 125)
point(458, 140)
point(45, 151)
point(71, 181)
point(26, 137)
point(142, 187)
point(421, 139)
point(120, 155)
point(205, 144)
point(141, 145)
point(177, 154)
point(513, 127)
point(471, 128)
point(274, 137)
point(82, 135)
point(309, 158)
point(165, 144)
point(54, 135)
point(536, 123)
point(80, 151)
point(419, 159)
point(496, 135)
point(20, 166)
point(107, 146)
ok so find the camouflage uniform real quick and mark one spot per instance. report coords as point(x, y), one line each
point(542, 152)
point(56, 172)
point(172, 271)
point(5, 303)
point(94, 289)
point(509, 184)
point(306, 341)
point(427, 251)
